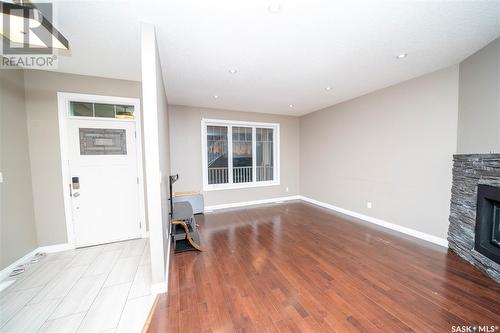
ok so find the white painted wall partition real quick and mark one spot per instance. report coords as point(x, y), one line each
point(156, 156)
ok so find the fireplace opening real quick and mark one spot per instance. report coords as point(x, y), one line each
point(487, 238)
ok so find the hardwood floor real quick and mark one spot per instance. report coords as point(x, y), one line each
point(295, 267)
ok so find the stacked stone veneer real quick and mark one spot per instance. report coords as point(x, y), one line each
point(468, 172)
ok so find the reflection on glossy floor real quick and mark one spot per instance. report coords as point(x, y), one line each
point(94, 289)
point(295, 267)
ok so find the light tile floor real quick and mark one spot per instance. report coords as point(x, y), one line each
point(93, 289)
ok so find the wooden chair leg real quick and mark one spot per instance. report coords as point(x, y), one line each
point(188, 236)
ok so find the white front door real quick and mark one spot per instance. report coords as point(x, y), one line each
point(104, 180)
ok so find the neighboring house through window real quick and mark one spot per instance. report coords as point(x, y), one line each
point(239, 154)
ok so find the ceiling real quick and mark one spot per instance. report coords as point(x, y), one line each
point(282, 58)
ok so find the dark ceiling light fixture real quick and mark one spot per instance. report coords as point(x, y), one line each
point(24, 24)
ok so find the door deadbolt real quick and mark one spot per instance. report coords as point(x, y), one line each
point(75, 182)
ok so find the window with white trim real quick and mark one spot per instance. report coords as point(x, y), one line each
point(239, 154)
point(100, 110)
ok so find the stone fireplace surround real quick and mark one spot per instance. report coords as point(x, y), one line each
point(469, 171)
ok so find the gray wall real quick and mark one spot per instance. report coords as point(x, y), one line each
point(392, 147)
point(17, 217)
point(41, 106)
point(185, 127)
point(479, 101)
point(156, 155)
point(386, 147)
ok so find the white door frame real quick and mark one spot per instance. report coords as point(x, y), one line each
point(63, 99)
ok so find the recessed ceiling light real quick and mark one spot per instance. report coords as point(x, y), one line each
point(274, 7)
point(401, 56)
point(290, 105)
point(328, 88)
point(233, 71)
point(216, 96)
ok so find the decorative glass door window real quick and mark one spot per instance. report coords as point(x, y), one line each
point(239, 154)
point(102, 141)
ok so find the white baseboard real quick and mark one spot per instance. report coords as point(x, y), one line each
point(162, 287)
point(4, 273)
point(5, 284)
point(250, 203)
point(55, 248)
point(385, 224)
point(159, 288)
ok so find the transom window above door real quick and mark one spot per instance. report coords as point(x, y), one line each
point(101, 110)
point(239, 154)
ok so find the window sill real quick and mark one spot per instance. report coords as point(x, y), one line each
point(221, 187)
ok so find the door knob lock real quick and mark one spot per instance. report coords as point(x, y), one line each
point(75, 181)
